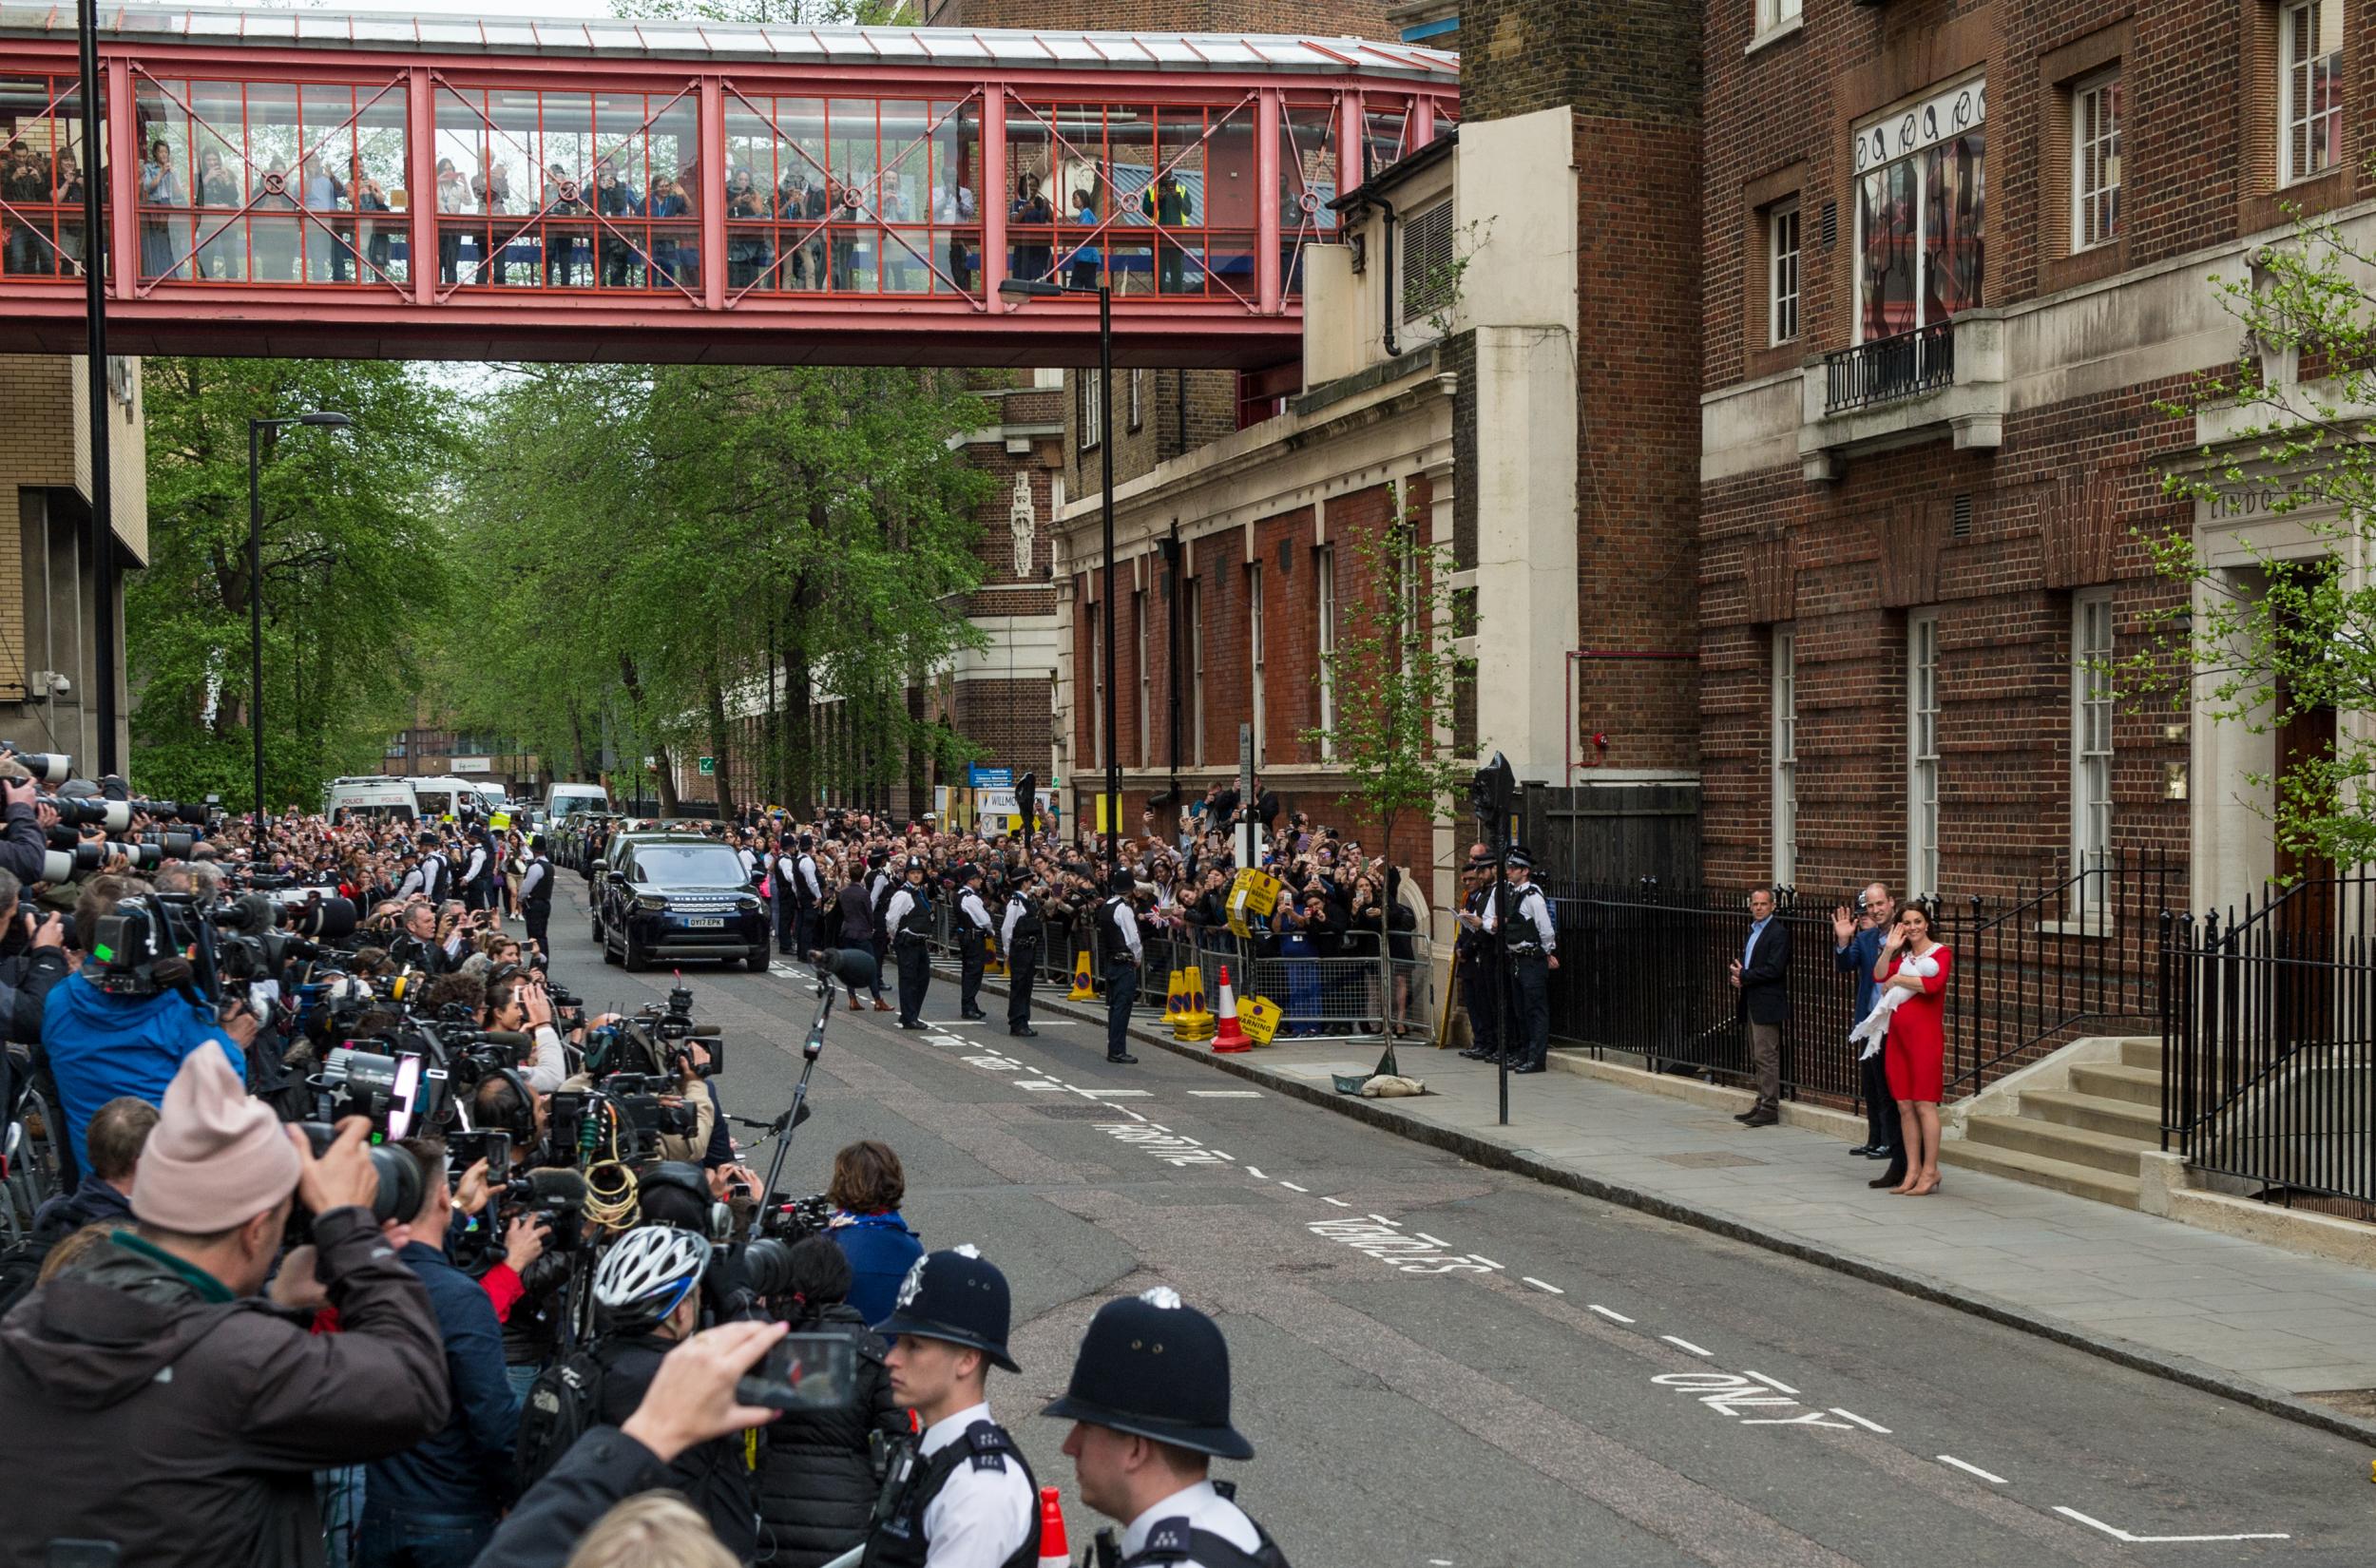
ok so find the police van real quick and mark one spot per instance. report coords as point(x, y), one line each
point(374, 797)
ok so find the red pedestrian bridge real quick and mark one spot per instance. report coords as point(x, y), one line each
point(394, 187)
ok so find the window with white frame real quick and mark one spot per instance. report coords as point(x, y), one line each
point(1096, 684)
point(1922, 753)
point(1092, 411)
point(2310, 89)
point(1139, 641)
point(1254, 636)
point(2091, 731)
point(1773, 14)
point(1324, 587)
point(2096, 161)
point(1137, 404)
point(1782, 274)
point(1195, 613)
point(1431, 270)
point(1785, 739)
point(1921, 208)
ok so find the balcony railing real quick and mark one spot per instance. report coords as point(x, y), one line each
point(1889, 368)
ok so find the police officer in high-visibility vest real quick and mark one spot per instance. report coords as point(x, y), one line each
point(1120, 948)
point(973, 941)
point(1149, 1404)
point(961, 1496)
point(908, 918)
point(1019, 939)
point(1529, 954)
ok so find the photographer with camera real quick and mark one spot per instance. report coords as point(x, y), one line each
point(419, 942)
point(154, 1347)
point(436, 1503)
point(817, 1481)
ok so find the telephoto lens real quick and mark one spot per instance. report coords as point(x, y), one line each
point(321, 918)
point(48, 766)
point(400, 1188)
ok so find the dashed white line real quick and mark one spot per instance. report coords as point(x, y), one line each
point(1974, 1469)
point(1613, 1318)
point(1292, 1188)
point(1225, 1094)
point(1256, 1174)
point(2121, 1535)
point(1686, 1344)
point(1769, 1382)
point(1541, 1285)
point(1339, 1201)
point(1868, 1426)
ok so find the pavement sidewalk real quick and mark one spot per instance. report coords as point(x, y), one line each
point(2239, 1318)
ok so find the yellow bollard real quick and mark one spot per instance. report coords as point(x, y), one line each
point(1083, 988)
point(1173, 992)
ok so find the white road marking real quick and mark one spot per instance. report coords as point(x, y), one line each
point(1157, 1125)
point(1043, 1084)
point(1226, 1094)
point(1541, 1285)
point(1972, 1470)
point(1613, 1318)
point(1769, 1382)
point(1120, 1094)
point(2118, 1534)
point(1438, 1240)
point(1219, 1155)
point(1686, 1344)
point(1339, 1201)
point(1407, 1254)
point(1868, 1426)
point(1292, 1188)
point(1256, 1174)
point(1486, 1261)
point(1383, 1220)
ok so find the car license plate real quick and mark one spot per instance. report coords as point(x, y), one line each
point(705, 923)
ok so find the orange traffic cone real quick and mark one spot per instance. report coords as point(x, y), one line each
point(1055, 1552)
point(1227, 1036)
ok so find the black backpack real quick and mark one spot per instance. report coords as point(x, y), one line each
point(20, 1269)
point(562, 1405)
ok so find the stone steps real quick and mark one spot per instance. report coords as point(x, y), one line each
point(2083, 1139)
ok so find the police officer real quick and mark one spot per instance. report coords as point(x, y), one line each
point(1529, 954)
point(1149, 1404)
point(536, 892)
point(791, 934)
point(1119, 945)
point(963, 1497)
point(973, 941)
point(909, 916)
point(808, 889)
point(428, 878)
point(1472, 952)
point(1019, 939)
point(478, 873)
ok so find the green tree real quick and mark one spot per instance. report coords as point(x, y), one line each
point(354, 567)
point(2290, 632)
point(1392, 674)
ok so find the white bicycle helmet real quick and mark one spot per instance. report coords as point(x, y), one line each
point(646, 1272)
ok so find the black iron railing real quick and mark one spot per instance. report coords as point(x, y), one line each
point(2269, 1040)
point(1887, 368)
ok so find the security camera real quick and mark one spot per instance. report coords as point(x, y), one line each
point(60, 686)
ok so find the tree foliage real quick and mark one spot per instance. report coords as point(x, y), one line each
point(2273, 633)
point(354, 567)
point(684, 545)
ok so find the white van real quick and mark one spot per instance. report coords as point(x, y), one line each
point(565, 800)
point(448, 799)
point(374, 797)
point(492, 796)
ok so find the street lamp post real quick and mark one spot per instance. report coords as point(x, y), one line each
point(1021, 289)
point(256, 429)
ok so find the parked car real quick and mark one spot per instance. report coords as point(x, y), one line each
point(671, 896)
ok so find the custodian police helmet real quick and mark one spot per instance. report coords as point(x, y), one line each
point(956, 1295)
point(1159, 1368)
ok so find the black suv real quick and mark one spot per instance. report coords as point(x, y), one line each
point(669, 896)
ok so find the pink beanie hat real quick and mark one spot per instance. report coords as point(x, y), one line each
point(216, 1159)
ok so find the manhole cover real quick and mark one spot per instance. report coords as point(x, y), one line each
point(1709, 1159)
point(1078, 1112)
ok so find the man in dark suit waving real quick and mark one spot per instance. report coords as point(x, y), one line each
point(1760, 974)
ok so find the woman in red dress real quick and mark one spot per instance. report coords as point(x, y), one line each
point(1914, 1055)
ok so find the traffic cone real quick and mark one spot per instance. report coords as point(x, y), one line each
point(1084, 989)
point(1055, 1551)
point(1227, 1036)
point(1173, 994)
point(1195, 1020)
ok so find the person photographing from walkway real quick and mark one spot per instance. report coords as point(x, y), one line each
point(973, 941)
point(961, 1496)
point(908, 916)
point(1761, 975)
point(1149, 1404)
point(1019, 939)
point(1916, 1049)
point(1529, 954)
point(1119, 946)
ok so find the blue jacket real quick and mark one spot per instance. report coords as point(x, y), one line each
point(1862, 952)
point(466, 1468)
point(881, 1250)
point(100, 1046)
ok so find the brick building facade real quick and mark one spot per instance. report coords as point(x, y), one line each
point(1948, 299)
